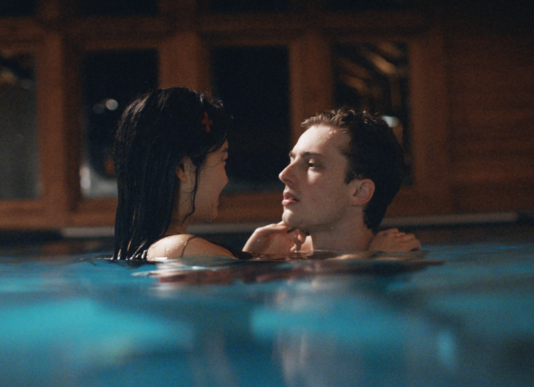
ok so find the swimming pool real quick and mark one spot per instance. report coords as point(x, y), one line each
point(70, 318)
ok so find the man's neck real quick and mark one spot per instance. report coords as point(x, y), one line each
point(353, 238)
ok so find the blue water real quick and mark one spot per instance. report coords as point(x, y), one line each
point(466, 319)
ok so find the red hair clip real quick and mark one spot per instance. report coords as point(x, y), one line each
point(206, 121)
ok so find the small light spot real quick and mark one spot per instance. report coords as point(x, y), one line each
point(112, 104)
point(391, 121)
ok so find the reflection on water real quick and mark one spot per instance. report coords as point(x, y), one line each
point(189, 270)
point(459, 316)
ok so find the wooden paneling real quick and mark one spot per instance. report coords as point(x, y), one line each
point(429, 193)
point(20, 30)
point(58, 120)
point(491, 87)
point(261, 206)
point(499, 196)
point(184, 61)
point(311, 79)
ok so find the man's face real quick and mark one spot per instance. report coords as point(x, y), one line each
point(316, 196)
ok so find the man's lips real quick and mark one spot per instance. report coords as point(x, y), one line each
point(289, 199)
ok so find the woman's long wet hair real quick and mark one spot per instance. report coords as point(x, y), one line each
point(155, 132)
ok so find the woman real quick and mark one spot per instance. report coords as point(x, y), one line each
point(170, 156)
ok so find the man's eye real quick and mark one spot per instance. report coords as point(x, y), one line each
point(311, 165)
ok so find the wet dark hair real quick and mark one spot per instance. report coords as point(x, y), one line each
point(155, 132)
point(373, 152)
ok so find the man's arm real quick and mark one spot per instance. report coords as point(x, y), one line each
point(279, 238)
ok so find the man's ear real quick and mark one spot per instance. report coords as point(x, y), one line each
point(362, 191)
point(184, 170)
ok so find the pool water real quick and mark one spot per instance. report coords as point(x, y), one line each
point(464, 317)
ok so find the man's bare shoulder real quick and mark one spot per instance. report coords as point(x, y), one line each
point(180, 245)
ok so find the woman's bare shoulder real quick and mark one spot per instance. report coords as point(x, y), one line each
point(180, 245)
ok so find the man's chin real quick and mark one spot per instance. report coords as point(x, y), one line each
point(290, 219)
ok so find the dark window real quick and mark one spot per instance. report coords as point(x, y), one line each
point(368, 5)
point(19, 152)
point(253, 83)
point(111, 80)
point(374, 77)
point(117, 7)
point(17, 8)
point(247, 6)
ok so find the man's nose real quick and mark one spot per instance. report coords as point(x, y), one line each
point(286, 176)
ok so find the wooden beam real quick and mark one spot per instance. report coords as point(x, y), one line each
point(311, 79)
point(58, 111)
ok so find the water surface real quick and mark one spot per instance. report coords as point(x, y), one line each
point(460, 316)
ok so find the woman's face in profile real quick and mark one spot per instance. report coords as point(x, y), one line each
point(211, 181)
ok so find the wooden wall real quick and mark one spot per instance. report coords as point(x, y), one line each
point(489, 61)
point(472, 86)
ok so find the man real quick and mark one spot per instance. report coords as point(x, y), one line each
point(344, 171)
